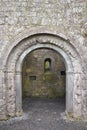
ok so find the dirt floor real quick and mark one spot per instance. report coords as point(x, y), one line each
point(42, 114)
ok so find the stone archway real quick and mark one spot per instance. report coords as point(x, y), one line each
point(69, 69)
point(13, 68)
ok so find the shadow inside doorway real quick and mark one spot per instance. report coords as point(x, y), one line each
point(43, 108)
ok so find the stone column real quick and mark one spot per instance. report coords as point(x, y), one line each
point(18, 84)
point(69, 92)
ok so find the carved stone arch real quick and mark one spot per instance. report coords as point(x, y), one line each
point(25, 35)
point(12, 66)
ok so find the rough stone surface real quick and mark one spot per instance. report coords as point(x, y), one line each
point(32, 24)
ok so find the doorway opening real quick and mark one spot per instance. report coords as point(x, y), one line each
point(43, 78)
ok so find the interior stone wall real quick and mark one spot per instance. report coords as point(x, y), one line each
point(38, 82)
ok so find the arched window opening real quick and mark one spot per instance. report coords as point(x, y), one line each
point(47, 64)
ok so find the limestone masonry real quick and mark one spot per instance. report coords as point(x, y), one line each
point(43, 75)
point(28, 25)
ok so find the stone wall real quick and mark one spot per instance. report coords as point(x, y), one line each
point(69, 16)
point(20, 20)
point(39, 81)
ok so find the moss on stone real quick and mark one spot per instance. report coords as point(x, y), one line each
point(48, 76)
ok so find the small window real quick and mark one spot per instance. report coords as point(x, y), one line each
point(32, 77)
point(63, 73)
point(47, 65)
